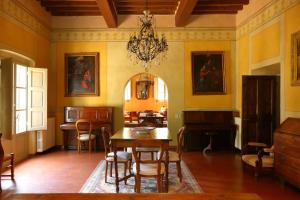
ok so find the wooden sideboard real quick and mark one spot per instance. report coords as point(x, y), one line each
point(287, 151)
point(100, 117)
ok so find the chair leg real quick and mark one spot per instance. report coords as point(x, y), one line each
point(12, 166)
point(95, 145)
point(135, 184)
point(90, 146)
point(110, 169)
point(179, 174)
point(159, 183)
point(78, 146)
point(125, 169)
point(129, 167)
point(138, 184)
point(152, 155)
point(106, 167)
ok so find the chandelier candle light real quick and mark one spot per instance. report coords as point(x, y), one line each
point(146, 46)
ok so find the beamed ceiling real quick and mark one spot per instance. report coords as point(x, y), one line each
point(110, 9)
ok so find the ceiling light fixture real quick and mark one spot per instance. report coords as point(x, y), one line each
point(146, 46)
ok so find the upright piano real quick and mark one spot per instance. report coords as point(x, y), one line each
point(200, 123)
point(100, 117)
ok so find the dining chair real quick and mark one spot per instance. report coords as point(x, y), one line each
point(4, 158)
point(122, 156)
point(175, 156)
point(84, 134)
point(145, 167)
point(262, 160)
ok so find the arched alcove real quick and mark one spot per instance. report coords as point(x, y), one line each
point(145, 101)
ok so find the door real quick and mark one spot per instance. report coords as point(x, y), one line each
point(260, 108)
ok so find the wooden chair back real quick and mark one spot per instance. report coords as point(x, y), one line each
point(106, 134)
point(83, 126)
point(148, 143)
point(180, 140)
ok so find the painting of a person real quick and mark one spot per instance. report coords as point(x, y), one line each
point(209, 76)
point(207, 73)
point(86, 82)
point(82, 73)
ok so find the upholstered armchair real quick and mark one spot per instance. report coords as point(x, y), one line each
point(261, 161)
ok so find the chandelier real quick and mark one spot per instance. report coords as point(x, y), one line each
point(146, 46)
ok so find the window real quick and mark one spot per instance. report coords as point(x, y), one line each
point(128, 91)
point(21, 98)
point(24, 90)
point(161, 90)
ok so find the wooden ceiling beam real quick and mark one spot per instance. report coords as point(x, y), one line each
point(109, 12)
point(48, 3)
point(231, 7)
point(76, 13)
point(184, 10)
point(206, 2)
point(201, 12)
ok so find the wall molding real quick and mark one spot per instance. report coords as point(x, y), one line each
point(172, 34)
point(264, 16)
point(15, 13)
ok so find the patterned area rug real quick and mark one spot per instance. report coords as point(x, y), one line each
point(96, 183)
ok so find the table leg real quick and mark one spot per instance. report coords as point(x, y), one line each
point(167, 171)
point(116, 171)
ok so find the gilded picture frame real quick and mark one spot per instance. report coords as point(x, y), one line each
point(208, 74)
point(82, 74)
point(295, 58)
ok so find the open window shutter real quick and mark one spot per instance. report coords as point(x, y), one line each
point(6, 108)
point(37, 99)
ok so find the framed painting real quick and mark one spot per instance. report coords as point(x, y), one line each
point(82, 74)
point(208, 73)
point(295, 59)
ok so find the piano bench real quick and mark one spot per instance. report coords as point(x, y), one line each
point(209, 146)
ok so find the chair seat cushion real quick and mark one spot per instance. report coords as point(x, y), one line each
point(173, 156)
point(85, 137)
point(149, 169)
point(7, 157)
point(121, 156)
point(250, 159)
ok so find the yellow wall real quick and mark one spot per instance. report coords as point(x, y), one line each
point(242, 66)
point(207, 101)
point(18, 39)
point(62, 101)
point(292, 93)
point(265, 44)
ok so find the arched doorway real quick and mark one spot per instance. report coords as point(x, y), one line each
point(145, 101)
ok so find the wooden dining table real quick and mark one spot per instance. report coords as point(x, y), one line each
point(125, 137)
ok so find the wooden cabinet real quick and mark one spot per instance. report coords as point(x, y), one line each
point(200, 123)
point(260, 108)
point(287, 151)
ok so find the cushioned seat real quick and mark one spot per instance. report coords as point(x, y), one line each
point(263, 160)
point(86, 137)
point(121, 156)
point(267, 161)
point(148, 169)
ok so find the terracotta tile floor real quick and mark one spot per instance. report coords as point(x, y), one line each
point(66, 172)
